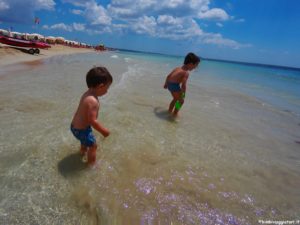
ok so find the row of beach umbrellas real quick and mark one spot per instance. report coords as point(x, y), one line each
point(35, 36)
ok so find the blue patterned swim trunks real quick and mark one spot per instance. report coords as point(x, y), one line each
point(174, 87)
point(85, 136)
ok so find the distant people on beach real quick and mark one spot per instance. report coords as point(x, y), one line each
point(176, 82)
point(98, 80)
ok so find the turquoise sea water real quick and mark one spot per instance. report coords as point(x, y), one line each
point(232, 157)
point(272, 85)
point(277, 86)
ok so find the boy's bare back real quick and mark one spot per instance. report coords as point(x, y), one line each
point(178, 75)
point(88, 108)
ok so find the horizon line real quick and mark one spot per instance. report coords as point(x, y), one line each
point(218, 60)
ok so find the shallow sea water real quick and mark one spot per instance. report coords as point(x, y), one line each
point(230, 158)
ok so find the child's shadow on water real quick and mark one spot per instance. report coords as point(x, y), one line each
point(71, 165)
point(164, 114)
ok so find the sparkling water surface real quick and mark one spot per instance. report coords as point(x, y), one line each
point(232, 157)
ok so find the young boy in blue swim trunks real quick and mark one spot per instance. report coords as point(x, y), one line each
point(177, 79)
point(98, 80)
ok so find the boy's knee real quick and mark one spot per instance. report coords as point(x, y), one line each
point(93, 146)
point(93, 149)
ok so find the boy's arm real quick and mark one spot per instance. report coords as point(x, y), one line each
point(166, 82)
point(98, 126)
point(92, 113)
point(184, 81)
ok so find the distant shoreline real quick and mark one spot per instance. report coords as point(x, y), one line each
point(254, 64)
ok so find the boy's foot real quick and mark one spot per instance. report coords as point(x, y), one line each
point(94, 165)
point(84, 158)
point(176, 115)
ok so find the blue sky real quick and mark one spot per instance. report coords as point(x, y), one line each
point(258, 31)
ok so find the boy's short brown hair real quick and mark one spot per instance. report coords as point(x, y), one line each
point(98, 75)
point(191, 58)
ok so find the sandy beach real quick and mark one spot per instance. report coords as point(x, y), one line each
point(11, 55)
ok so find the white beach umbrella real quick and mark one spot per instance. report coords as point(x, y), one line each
point(3, 31)
point(34, 35)
point(25, 35)
point(15, 34)
point(60, 38)
point(50, 37)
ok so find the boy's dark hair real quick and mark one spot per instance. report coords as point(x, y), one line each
point(191, 58)
point(98, 75)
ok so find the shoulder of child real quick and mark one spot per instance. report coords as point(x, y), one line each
point(178, 70)
point(90, 99)
point(184, 72)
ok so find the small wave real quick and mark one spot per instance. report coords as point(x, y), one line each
point(114, 56)
point(132, 71)
point(127, 59)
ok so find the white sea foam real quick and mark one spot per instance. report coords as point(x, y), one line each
point(127, 59)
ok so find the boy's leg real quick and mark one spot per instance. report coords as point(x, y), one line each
point(176, 96)
point(83, 149)
point(171, 106)
point(175, 113)
point(92, 154)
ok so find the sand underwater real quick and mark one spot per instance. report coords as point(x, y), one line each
point(230, 158)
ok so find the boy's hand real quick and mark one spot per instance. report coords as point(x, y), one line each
point(105, 132)
point(101, 129)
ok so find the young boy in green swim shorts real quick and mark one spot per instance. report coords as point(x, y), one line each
point(98, 80)
point(176, 82)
